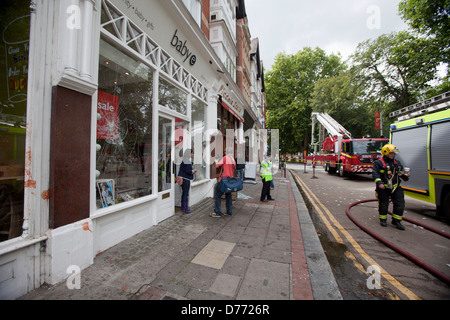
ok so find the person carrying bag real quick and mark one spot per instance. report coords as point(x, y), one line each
point(227, 183)
point(230, 184)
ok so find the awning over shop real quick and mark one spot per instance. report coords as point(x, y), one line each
point(232, 111)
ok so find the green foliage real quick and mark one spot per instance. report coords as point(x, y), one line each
point(430, 18)
point(343, 98)
point(396, 69)
point(387, 73)
point(289, 86)
point(396, 66)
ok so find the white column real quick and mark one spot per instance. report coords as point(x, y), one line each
point(72, 15)
point(78, 32)
point(86, 44)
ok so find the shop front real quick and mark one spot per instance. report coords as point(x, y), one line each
point(98, 136)
point(151, 108)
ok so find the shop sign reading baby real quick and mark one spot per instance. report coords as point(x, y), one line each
point(181, 47)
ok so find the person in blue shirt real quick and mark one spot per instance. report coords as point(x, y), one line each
point(187, 173)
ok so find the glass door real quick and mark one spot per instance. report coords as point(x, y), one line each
point(172, 140)
point(166, 176)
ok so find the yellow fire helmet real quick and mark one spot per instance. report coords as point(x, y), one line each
point(388, 148)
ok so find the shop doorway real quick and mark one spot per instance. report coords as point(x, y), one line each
point(172, 132)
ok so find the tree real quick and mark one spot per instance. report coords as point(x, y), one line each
point(289, 86)
point(344, 98)
point(430, 18)
point(397, 67)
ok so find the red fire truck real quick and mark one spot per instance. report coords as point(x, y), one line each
point(339, 152)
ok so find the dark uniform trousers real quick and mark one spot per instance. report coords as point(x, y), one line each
point(265, 192)
point(398, 201)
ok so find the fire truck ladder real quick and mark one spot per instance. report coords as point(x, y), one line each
point(427, 106)
point(333, 127)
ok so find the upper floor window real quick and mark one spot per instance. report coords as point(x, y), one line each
point(195, 8)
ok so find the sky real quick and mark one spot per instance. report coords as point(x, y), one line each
point(332, 25)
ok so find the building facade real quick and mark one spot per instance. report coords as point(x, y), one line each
point(100, 99)
point(258, 97)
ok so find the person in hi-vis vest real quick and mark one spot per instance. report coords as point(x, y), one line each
point(266, 176)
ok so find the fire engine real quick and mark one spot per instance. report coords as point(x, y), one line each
point(421, 133)
point(340, 153)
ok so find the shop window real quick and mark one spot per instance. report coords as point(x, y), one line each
point(172, 97)
point(14, 47)
point(198, 127)
point(124, 128)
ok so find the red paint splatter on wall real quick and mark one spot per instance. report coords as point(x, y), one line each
point(45, 195)
point(86, 227)
point(30, 184)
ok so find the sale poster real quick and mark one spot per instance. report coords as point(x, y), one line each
point(108, 109)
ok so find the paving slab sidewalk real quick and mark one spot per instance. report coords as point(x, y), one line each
point(265, 251)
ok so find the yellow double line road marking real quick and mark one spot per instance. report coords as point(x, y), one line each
point(334, 224)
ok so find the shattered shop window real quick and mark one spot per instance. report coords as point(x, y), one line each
point(124, 128)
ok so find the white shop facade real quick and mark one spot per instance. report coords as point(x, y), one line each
point(116, 90)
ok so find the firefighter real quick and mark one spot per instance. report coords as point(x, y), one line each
point(387, 173)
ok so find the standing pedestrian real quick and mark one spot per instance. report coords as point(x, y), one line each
point(387, 173)
point(227, 165)
point(266, 176)
point(187, 173)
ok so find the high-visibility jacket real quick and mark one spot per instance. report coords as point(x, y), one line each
point(266, 170)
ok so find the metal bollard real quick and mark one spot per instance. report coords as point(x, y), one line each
point(314, 169)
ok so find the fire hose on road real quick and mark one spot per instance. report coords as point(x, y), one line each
point(404, 253)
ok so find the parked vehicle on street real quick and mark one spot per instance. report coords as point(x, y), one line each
point(339, 152)
point(422, 133)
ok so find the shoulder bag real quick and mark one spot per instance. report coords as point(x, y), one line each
point(230, 184)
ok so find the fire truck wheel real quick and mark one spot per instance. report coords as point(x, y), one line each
point(341, 170)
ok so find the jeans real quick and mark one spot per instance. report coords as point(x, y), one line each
point(217, 202)
point(186, 185)
point(240, 173)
